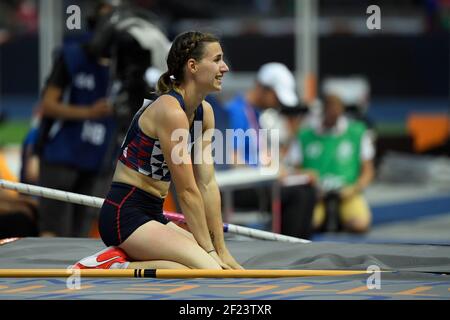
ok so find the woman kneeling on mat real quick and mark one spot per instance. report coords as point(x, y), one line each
point(132, 223)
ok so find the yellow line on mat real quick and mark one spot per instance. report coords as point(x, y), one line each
point(354, 290)
point(72, 290)
point(23, 289)
point(292, 290)
point(261, 288)
point(171, 273)
point(414, 291)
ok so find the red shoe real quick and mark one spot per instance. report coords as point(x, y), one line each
point(109, 258)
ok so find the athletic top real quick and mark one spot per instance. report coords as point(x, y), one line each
point(143, 153)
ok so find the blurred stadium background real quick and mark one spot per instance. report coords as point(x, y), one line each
point(405, 67)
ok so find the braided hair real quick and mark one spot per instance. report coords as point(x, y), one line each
point(185, 46)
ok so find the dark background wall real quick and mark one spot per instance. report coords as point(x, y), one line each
point(19, 74)
point(395, 65)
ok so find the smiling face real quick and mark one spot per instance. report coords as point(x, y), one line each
point(210, 69)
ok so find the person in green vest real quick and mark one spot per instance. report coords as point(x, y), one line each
point(337, 153)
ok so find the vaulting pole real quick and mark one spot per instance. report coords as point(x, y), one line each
point(98, 202)
point(171, 273)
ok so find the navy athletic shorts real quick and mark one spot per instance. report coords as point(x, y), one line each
point(125, 209)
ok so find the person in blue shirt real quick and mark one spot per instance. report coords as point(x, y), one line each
point(80, 126)
point(93, 90)
point(274, 89)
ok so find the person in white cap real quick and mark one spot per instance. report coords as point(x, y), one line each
point(258, 108)
point(274, 88)
point(277, 77)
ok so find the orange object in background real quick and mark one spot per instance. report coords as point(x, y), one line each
point(169, 203)
point(94, 230)
point(428, 130)
point(6, 174)
point(310, 92)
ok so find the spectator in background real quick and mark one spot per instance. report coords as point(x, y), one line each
point(29, 171)
point(274, 89)
point(337, 153)
point(354, 93)
point(77, 139)
point(85, 133)
point(74, 136)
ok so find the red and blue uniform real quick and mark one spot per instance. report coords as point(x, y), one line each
point(127, 207)
point(143, 153)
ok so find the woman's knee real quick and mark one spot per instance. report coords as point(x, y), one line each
point(155, 241)
point(182, 231)
point(199, 259)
